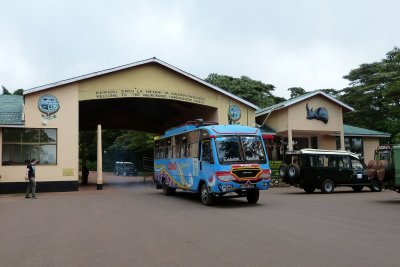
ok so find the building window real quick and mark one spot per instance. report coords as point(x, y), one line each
point(352, 144)
point(21, 145)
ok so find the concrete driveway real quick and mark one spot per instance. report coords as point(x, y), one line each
point(129, 223)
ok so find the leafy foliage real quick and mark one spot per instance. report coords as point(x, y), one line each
point(16, 92)
point(296, 91)
point(118, 145)
point(136, 141)
point(5, 91)
point(19, 92)
point(374, 93)
point(251, 90)
point(332, 92)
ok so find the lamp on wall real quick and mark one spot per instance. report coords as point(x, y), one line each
point(44, 121)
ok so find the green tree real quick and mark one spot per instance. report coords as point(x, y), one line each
point(251, 90)
point(19, 92)
point(133, 140)
point(296, 91)
point(374, 93)
point(5, 91)
point(332, 92)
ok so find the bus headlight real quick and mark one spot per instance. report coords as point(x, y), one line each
point(224, 176)
point(265, 174)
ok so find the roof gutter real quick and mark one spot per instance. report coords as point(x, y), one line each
point(12, 126)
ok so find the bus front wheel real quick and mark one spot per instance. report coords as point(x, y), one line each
point(253, 195)
point(166, 189)
point(207, 198)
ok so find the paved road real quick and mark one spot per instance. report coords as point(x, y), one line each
point(129, 223)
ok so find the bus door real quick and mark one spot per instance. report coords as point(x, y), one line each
point(206, 161)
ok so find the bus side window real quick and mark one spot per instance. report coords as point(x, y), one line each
point(206, 151)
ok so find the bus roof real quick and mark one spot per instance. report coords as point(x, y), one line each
point(214, 129)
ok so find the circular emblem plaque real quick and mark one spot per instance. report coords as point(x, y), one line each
point(234, 113)
point(48, 105)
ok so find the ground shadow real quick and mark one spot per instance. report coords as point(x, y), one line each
point(221, 202)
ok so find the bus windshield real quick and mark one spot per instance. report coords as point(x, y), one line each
point(240, 149)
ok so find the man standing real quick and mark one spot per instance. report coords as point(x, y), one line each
point(30, 177)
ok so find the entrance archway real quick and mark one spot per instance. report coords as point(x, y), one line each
point(148, 115)
point(140, 114)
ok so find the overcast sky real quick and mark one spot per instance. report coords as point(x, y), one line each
point(287, 43)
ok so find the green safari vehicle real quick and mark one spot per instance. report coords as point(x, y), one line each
point(386, 167)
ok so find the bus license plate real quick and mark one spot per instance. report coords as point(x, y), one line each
point(247, 186)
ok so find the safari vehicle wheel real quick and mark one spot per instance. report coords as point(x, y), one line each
point(309, 188)
point(283, 171)
point(253, 195)
point(327, 186)
point(376, 186)
point(293, 171)
point(207, 198)
point(357, 188)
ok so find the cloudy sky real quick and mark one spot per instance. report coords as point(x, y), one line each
point(287, 43)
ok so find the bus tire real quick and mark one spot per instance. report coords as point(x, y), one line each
point(207, 198)
point(166, 189)
point(253, 195)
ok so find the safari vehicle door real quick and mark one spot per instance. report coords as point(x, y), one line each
point(359, 171)
point(327, 168)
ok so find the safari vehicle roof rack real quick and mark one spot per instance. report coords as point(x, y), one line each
point(322, 151)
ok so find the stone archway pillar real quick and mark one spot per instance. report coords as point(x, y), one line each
point(99, 160)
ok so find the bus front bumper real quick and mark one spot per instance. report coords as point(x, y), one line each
point(226, 187)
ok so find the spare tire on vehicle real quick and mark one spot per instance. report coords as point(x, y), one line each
point(283, 171)
point(381, 169)
point(372, 167)
point(293, 172)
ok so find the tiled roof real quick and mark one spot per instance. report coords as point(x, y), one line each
point(11, 108)
point(348, 131)
point(301, 98)
point(357, 131)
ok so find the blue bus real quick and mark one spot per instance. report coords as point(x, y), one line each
point(213, 160)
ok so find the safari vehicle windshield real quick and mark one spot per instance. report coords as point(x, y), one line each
point(231, 149)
